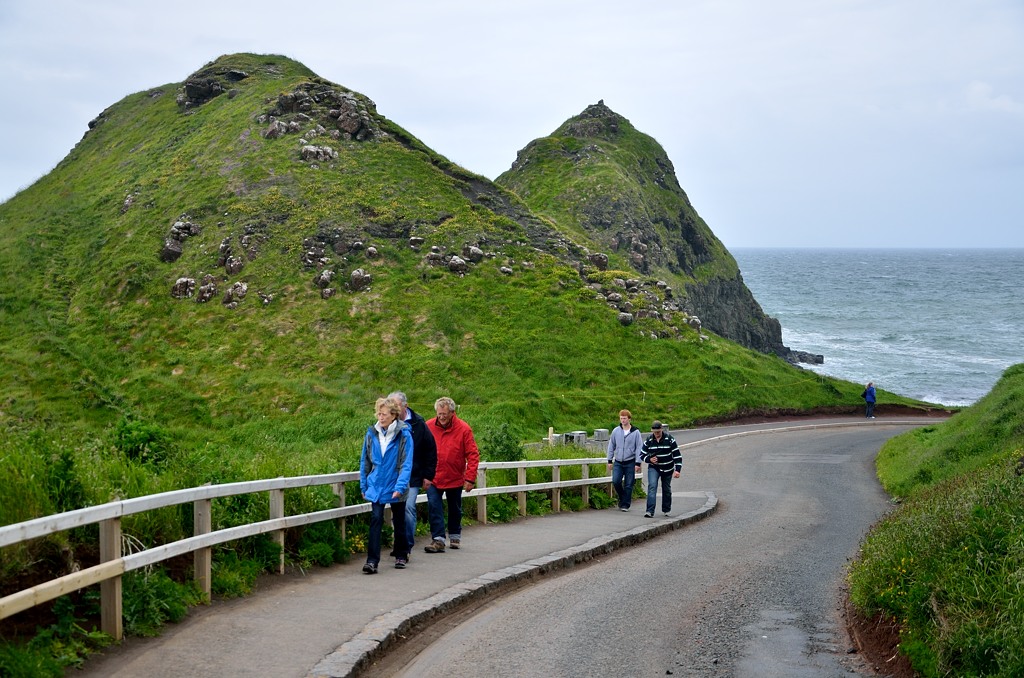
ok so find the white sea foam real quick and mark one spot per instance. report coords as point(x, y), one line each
point(938, 325)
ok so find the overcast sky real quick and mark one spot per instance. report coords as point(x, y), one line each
point(845, 123)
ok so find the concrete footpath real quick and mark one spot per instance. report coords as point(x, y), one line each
point(336, 621)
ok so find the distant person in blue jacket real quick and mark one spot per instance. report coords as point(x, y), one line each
point(869, 400)
point(624, 446)
point(385, 467)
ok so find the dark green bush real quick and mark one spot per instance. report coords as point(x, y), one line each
point(141, 441)
point(321, 544)
point(501, 443)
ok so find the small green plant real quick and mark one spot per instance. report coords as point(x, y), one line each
point(62, 483)
point(321, 544)
point(502, 508)
point(151, 599)
point(64, 644)
point(538, 503)
point(572, 502)
point(233, 576)
point(599, 499)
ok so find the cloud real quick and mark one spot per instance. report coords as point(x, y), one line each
point(792, 122)
point(980, 97)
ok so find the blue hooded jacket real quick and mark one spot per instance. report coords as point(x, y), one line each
point(380, 476)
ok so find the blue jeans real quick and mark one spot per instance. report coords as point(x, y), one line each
point(434, 505)
point(623, 477)
point(653, 476)
point(436, 512)
point(869, 411)
point(377, 525)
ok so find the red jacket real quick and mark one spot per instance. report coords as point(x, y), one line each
point(457, 455)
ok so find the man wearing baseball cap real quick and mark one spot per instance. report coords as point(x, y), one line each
point(664, 462)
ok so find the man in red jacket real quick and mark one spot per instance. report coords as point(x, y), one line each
point(457, 459)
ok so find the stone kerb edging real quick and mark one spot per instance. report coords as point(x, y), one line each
point(373, 641)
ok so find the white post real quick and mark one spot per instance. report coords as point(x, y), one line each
point(277, 511)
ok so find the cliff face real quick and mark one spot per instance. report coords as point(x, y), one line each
point(614, 189)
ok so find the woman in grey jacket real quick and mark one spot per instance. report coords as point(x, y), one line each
point(624, 447)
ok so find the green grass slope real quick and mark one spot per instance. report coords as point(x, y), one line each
point(947, 565)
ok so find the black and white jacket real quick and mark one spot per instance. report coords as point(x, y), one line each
point(665, 450)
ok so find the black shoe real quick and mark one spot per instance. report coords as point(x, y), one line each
point(370, 568)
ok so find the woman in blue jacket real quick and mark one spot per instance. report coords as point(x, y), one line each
point(384, 470)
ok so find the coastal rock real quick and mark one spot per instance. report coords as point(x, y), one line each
point(359, 280)
point(183, 288)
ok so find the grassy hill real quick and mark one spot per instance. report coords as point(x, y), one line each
point(946, 566)
point(100, 357)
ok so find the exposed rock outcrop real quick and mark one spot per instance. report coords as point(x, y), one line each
point(630, 205)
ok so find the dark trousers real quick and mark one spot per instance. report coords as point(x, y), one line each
point(401, 549)
point(435, 511)
point(623, 478)
point(654, 476)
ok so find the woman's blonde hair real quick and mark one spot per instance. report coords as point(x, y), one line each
point(390, 404)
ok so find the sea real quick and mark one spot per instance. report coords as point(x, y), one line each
point(939, 325)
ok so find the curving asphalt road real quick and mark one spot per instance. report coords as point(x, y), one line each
point(749, 590)
point(753, 591)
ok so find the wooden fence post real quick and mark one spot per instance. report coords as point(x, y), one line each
point(277, 511)
point(339, 489)
point(556, 493)
point(202, 560)
point(521, 478)
point(481, 501)
point(585, 473)
point(110, 589)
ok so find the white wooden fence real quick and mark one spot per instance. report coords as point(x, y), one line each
point(113, 563)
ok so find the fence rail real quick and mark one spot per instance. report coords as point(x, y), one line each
point(114, 563)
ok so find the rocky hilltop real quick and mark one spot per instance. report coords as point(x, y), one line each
point(615, 190)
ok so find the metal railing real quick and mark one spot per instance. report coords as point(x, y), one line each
point(114, 563)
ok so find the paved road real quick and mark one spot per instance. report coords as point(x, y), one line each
point(754, 591)
point(333, 622)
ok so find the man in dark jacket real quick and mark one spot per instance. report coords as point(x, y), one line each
point(424, 461)
point(664, 462)
point(869, 400)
